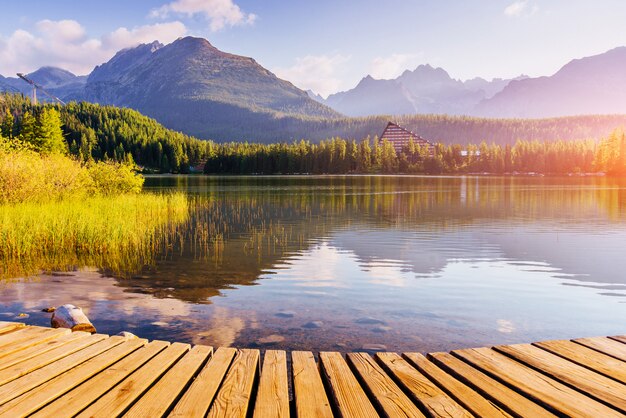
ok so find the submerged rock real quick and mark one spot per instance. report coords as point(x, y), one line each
point(313, 324)
point(271, 339)
point(368, 320)
point(374, 347)
point(285, 314)
point(381, 328)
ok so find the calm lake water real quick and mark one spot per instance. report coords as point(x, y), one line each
point(366, 263)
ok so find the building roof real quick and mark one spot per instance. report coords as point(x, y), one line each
point(400, 137)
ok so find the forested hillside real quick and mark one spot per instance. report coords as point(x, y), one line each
point(460, 129)
point(107, 133)
point(436, 128)
point(110, 133)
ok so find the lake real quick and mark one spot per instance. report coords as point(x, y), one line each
point(399, 263)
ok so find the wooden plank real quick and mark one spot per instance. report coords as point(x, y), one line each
point(594, 384)
point(605, 345)
point(309, 392)
point(159, 398)
point(56, 373)
point(461, 393)
point(272, 399)
point(421, 389)
point(38, 377)
point(233, 398)
point(392, 402)
point(45, 358)
point(502, 395)
point(39, 336)
point(9, 326)
point(43, 347)
point(24, 335)
point(537, 386)
point(198, 398)
point(122, 396)
point(587, 357)
point(350, 399)
point(620, 338)
point(81, 397)
point(35, 399)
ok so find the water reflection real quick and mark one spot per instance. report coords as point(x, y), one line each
point(350, 263)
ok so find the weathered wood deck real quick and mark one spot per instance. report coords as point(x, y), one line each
point(55, 373)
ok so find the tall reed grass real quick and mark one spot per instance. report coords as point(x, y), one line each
point(120, 233)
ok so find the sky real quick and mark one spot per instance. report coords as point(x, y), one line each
point(323, 45)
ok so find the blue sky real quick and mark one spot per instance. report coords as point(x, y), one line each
point(323, 45)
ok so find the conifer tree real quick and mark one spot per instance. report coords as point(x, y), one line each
point(8, 125)
point(28, 129)
point(49, 135)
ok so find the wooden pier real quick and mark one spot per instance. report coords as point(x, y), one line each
point(48, 372)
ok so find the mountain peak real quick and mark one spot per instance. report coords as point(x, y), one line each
point(613, 61)
point(193, 43)
point(425, 67)
point(368, 79)
point(151, 47)
point(154, 45)
point(194, 40)
point(588, 85)
point(124, 61)
point(52, 76)
point(183, 82)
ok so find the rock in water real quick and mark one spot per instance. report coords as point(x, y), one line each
point(271, 339)
point(369, 321)
point(72, 317)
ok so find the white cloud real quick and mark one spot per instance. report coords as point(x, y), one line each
point(520, 8)
point(320, 73)
point(393, 65)
point(68, 30)
point(219, 13)
point(65, 44)
point(163, 32)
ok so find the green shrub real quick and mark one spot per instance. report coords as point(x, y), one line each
point(26, 176)
point(114, 178)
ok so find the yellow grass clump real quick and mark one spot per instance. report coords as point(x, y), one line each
point(117, 233)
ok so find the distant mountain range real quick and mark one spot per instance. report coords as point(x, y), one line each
point(191, 86)
point(423, 90)
point(591, 85)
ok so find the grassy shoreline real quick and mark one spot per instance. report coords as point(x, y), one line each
point(118, 233)
point(57, 213)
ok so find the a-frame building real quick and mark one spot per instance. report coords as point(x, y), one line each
point(399, 138)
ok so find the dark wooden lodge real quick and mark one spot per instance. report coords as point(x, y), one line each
point(399, 138)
